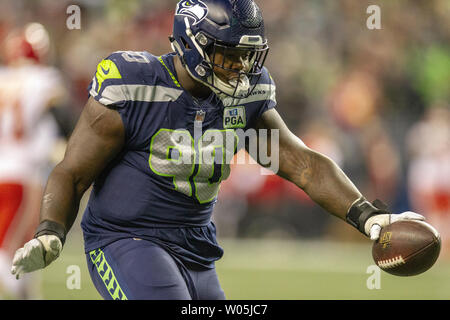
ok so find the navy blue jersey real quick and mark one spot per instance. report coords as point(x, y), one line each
point(161, 179)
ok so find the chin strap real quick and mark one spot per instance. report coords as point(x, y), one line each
point(239, 89)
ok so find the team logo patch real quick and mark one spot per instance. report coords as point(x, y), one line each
point(106, 69)
point(195, 9)
point(234, 117)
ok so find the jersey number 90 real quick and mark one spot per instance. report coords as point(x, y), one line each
point(196, 166)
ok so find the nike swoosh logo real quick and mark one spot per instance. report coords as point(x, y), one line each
point(105, 71)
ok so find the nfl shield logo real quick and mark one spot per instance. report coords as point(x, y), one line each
point(200, 116)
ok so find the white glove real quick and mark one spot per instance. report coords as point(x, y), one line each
point(373, 225)
point(36, 254)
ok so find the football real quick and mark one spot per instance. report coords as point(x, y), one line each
point(407, 248)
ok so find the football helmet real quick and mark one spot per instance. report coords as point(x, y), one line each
point(221, 37)
point(30, 42)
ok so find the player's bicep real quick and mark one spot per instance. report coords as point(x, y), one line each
point(97, 138)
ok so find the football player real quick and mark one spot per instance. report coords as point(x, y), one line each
point(30, 92)
point(141, 140)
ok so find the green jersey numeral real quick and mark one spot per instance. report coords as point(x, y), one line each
point(175, 154)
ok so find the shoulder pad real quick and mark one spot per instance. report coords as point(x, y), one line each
point(129, 76)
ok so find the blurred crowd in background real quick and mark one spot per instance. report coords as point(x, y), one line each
point(375, 101)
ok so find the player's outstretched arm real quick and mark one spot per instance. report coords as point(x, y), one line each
point(97, 138)
point(326, 184)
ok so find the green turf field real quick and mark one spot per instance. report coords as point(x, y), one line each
point(269, 269)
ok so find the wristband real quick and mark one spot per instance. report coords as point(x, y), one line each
point(51, 227)
point(361, 210)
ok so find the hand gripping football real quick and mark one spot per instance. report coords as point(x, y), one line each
point(407, 248)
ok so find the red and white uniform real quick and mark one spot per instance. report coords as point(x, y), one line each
point(27, 137)
point(28, 133)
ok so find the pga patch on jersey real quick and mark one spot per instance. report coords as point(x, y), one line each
point(234, 117)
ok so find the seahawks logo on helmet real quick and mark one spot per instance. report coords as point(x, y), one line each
point(195, 9)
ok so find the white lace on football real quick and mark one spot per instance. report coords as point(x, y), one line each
point(391, 263)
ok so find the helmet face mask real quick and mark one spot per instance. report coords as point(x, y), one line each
point(233, 69)
point(218, 48)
